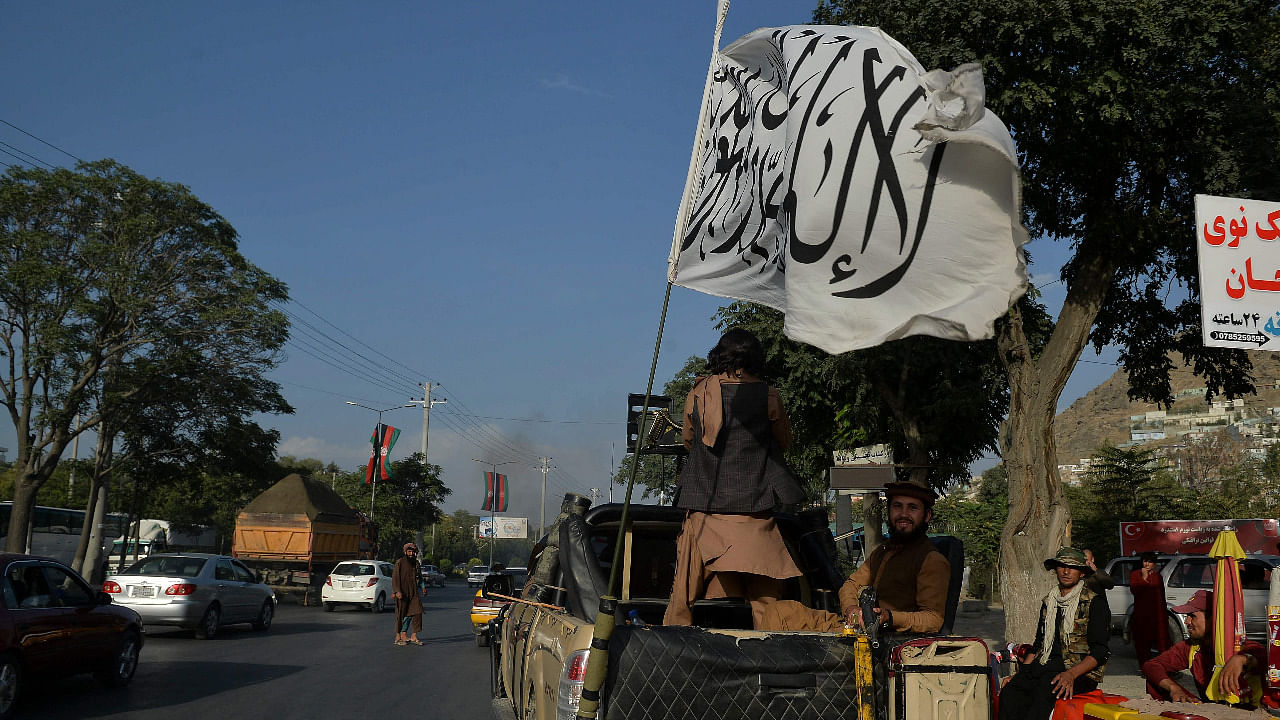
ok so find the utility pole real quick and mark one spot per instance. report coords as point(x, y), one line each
point(426, 402)
point(595, 495)
point(542, 509)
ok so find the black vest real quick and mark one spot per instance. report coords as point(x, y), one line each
point(744, 471)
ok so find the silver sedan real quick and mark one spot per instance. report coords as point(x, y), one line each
point(193, 590)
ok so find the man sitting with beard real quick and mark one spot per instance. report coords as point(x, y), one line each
point(909, 575)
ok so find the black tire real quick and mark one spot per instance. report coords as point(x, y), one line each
point(482, 639)
point(379, 604)
point(265, 616)
point(123, 664)
point(1175, 630)
point(209, 624)
point(328, 607)
point(11, 679)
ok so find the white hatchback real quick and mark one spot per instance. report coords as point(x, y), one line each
point(358, 582)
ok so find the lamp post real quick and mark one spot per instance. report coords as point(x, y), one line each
point(378, 448)
point(493, 511)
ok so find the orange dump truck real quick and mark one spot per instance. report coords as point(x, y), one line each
point(297, 530)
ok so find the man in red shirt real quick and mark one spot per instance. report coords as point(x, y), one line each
point(1196, 653)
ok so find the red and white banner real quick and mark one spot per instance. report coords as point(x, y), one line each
point(1192, 537)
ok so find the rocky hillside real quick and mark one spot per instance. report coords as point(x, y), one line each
point(1102, 415)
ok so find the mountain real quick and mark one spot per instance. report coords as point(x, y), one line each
point(1102, 415)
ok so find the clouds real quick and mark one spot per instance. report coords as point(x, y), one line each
point(562, 82)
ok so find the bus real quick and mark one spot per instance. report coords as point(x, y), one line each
point(55, 532)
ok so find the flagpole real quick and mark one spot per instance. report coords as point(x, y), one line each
point(378, 460)
point(493, 506)
point(598, 657)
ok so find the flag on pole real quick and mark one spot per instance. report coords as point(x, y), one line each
point(383, 439)
point(495, 492)
point(835, 180)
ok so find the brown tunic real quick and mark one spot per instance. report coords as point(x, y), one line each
point(911, 581)
point(404, 580)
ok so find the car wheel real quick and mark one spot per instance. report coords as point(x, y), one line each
point(482, 639)
point(328, 607)
point(265, 616)
point(379, 604)
point(10, 685)
point(120, 671)
point(209, 624)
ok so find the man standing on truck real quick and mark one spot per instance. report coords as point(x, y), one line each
point(1240, 676)
point(1070, 651)
point(908, 573)
point(736, 429)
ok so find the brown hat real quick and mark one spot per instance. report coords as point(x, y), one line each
point(911, 489)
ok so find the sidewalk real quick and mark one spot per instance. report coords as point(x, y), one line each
point(1123, 676)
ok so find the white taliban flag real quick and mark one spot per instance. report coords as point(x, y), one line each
point(837, 181)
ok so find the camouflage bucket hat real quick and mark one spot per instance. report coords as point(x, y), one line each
point(1069, 557)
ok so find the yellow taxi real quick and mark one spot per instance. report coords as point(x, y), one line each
point(482, 610)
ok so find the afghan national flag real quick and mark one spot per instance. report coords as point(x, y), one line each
point(383, 439)
point(495, 492)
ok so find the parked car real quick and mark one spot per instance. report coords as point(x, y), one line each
point(199, 591)
point(432, 575)
point(1184, 574)
point(358, 582)
point(52, 623)
point(476, 575)
point(483, 610)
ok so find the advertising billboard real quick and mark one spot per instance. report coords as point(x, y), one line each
point(508, 528)
point(1189, 537)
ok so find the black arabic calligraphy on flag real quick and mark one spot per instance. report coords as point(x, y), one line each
point(840, 183)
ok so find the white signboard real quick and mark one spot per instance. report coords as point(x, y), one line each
point(509, 528)
point(1239, 272)
point(881, 454)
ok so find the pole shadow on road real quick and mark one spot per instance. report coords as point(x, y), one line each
point(181, 682)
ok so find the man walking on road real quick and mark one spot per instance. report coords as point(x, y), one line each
point(404, 587)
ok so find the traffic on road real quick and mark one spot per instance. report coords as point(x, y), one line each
point(309, 663)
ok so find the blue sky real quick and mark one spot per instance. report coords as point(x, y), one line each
point(479, 195)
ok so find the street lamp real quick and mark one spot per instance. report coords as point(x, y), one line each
point(378, 436)
point(493, 525)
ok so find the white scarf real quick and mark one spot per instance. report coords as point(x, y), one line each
point(1054, 602)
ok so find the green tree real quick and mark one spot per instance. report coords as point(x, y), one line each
point(403, 506)
point(978, 519)
point(1121, 113)
point(102, 267)
point(1122, 484)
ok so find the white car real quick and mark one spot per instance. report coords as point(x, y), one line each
point(193, 590)
point(1184, 575)
point(358, 582)
point(476, 575)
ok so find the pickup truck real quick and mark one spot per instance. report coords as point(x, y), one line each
point(719, 668)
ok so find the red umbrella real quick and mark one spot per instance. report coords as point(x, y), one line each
point(1228, 610)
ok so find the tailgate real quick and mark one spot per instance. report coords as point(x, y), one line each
point(677, 672)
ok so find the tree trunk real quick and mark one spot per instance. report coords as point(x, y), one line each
point(96, 506)
point(1039, 517)
point(872, 538)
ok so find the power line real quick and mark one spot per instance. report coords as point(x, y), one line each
point(23, 152)
point(46, 142)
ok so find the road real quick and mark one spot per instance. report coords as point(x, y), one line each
point(310, 664)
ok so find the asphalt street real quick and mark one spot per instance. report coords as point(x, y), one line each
point(310, 664)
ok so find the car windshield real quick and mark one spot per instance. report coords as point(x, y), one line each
point(482, 569)
point(350, 568)
point(168, 566)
